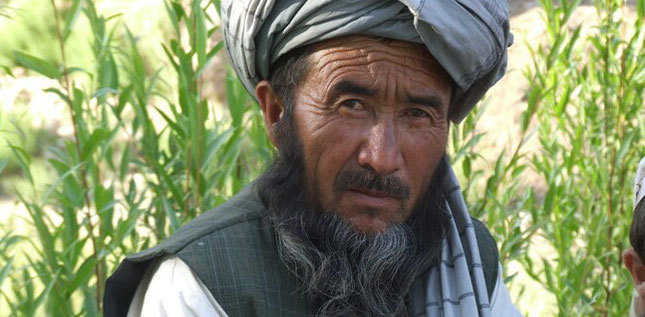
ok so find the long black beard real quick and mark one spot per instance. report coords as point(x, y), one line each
point(345, 272)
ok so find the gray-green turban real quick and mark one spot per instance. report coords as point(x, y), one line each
point(467, 37)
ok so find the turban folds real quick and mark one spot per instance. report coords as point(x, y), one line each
point(467, 37)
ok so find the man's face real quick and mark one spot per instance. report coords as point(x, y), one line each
point(371, 116)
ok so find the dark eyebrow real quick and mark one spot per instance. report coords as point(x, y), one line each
point(350, 87)
point(431, 101)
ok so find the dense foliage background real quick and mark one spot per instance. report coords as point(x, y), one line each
point(141, 126)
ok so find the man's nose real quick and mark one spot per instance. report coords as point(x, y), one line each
point(381, 150)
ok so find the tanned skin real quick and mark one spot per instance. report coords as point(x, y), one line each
point(368, 104)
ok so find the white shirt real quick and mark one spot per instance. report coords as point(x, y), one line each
point(637, 309)
point(172, 289)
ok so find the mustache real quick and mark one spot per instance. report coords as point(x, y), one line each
point(353, 179)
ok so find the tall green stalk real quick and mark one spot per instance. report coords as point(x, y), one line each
point(69, 87)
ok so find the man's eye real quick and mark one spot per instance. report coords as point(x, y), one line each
point(354, 104)
point(418, 113)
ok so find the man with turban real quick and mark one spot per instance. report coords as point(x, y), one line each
point(360, 213)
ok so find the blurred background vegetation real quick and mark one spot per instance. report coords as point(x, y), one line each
point(121, 120)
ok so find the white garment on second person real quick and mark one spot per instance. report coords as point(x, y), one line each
point(637, 309)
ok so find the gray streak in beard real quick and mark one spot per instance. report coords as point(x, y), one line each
point(348, 272)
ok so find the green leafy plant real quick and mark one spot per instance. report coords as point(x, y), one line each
point(587, 92)
point(146, 154)
point(150, 151)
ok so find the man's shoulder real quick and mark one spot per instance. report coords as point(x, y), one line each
point(221, 236)
point(242, 210)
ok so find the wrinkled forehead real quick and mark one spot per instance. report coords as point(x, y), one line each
point(360, 53)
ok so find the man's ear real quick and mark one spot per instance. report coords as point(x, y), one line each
point(271, 107)
point(636, 268)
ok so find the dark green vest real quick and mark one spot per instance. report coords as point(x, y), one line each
point(232, 249)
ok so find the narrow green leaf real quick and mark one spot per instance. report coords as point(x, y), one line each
point(58, 180)
point(124, 98)
point(45, 235)
point(237, 98)
point(218, 5)
point(83, 274)
point(77, 102)
point(104, 202)
point(24, 160)
point(215, 143)
point(214, 29)
point(60, 94)
point(5, 270)
point(3, 164)
point(172, 124)
point(72, 70)
point(137, 69)
point(114, 16)
point(108, 73)
point(172, 14)
point(38, 65)
point(124, 166)
point(72, 16)
point(71, 227)
point(125, 228)
point(624, 147)
point(90, 306)
point(571, 45)
point(8, 70)
point(171, 214)
point(102, 92)
point(200, 35)
point(171, 58)
point(167, 182)
point(43, 295)
point(563, 101)
point(179, 10)
point(466, 167)
point(99, 136)
point(9, 240)
point(214, 51)
point(19, 130)
point(517, 171)
point(77, 113)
